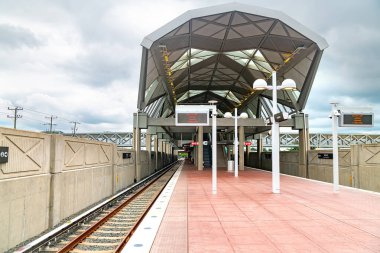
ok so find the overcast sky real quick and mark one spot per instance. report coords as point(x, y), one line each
point(80, 60)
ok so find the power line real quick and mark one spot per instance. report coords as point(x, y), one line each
point(15, 116)
point(51, 123)
point(75, 127)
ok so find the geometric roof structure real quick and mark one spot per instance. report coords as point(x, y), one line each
point(216, 53)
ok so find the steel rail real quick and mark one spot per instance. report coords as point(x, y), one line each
point(75, 242)
point(42, 241)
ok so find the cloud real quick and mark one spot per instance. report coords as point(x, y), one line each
point(15, 37)
point(80, 60)
point(102, 64)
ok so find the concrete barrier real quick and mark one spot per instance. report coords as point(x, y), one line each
point(50, 177)
point(24, 186)
point(359, 166)
point(365, 162)
point(322, 169)
point(82, 174)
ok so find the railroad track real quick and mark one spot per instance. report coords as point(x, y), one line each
point(110, 229)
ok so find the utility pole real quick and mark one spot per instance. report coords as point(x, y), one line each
point(51, 123)
point(15, 116)
point(75, 126)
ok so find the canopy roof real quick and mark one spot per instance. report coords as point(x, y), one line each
point(216, 53)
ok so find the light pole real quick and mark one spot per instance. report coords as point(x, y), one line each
point(214, 145)
point(287, 84)
point(236, 141)
point(334, 116)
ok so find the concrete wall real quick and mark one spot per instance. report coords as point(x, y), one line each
point(322, 169)
point(50, 177)
point(24, 186)
point(124, 170)
point(365, 162)
point(82, 174)
point(358, 167)
point(253, 160)
point(288, 161)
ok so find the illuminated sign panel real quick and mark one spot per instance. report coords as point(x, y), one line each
point(192, 118)
point(192, 115)
point(194, 143)
point(356, 120)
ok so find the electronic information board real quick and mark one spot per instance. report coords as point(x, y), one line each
point(356, 120)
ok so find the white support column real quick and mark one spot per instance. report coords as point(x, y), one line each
point(334, 113)
point(137, 144)
point(236, 149)
point(275, 141)
point(214, 148)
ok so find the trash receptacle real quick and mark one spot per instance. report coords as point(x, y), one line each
point(230, 164)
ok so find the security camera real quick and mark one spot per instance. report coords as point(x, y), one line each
point(268, 121)
point(337, 113)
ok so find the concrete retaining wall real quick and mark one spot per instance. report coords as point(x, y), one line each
point(24, 186)
point(82, 174)
point(50, 177)
point(365, 164)
point(358, 167)
point(124, 169)
point(288, 161)
point(322, 169)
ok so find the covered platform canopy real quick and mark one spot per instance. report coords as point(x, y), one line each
point(216, 53)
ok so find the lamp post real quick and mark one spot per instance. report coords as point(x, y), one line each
point(287, 84)
point(214, 144)
point(236, 141)
point(334, 116)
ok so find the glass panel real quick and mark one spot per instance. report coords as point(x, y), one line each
point(263, 113)
point(251, 114)
point(236, 55)
point(231, 96)
point(296, 94)
point(262, 68)
point(191, 56)
point(252, 65)
point(178, 65)
point(193, 93)
point(183, 97)
point(150, 90)
point(242, 61)
point(221, 93)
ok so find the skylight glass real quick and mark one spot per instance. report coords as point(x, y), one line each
point(246, 57)
point(191, 57)
point(231, 96)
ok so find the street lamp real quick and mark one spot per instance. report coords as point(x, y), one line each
point(242, 116)
point(287, 84)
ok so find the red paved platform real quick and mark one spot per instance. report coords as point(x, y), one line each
point(246, 217)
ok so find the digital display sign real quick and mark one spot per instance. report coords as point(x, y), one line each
point(192, 115)
point(192, 118)
point(356, 119)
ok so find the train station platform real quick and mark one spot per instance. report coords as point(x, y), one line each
point(244, 216)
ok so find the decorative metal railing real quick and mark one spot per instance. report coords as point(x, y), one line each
point(287, 140)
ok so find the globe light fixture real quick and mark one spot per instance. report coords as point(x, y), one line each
point(287, 84)
point(243, 115)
